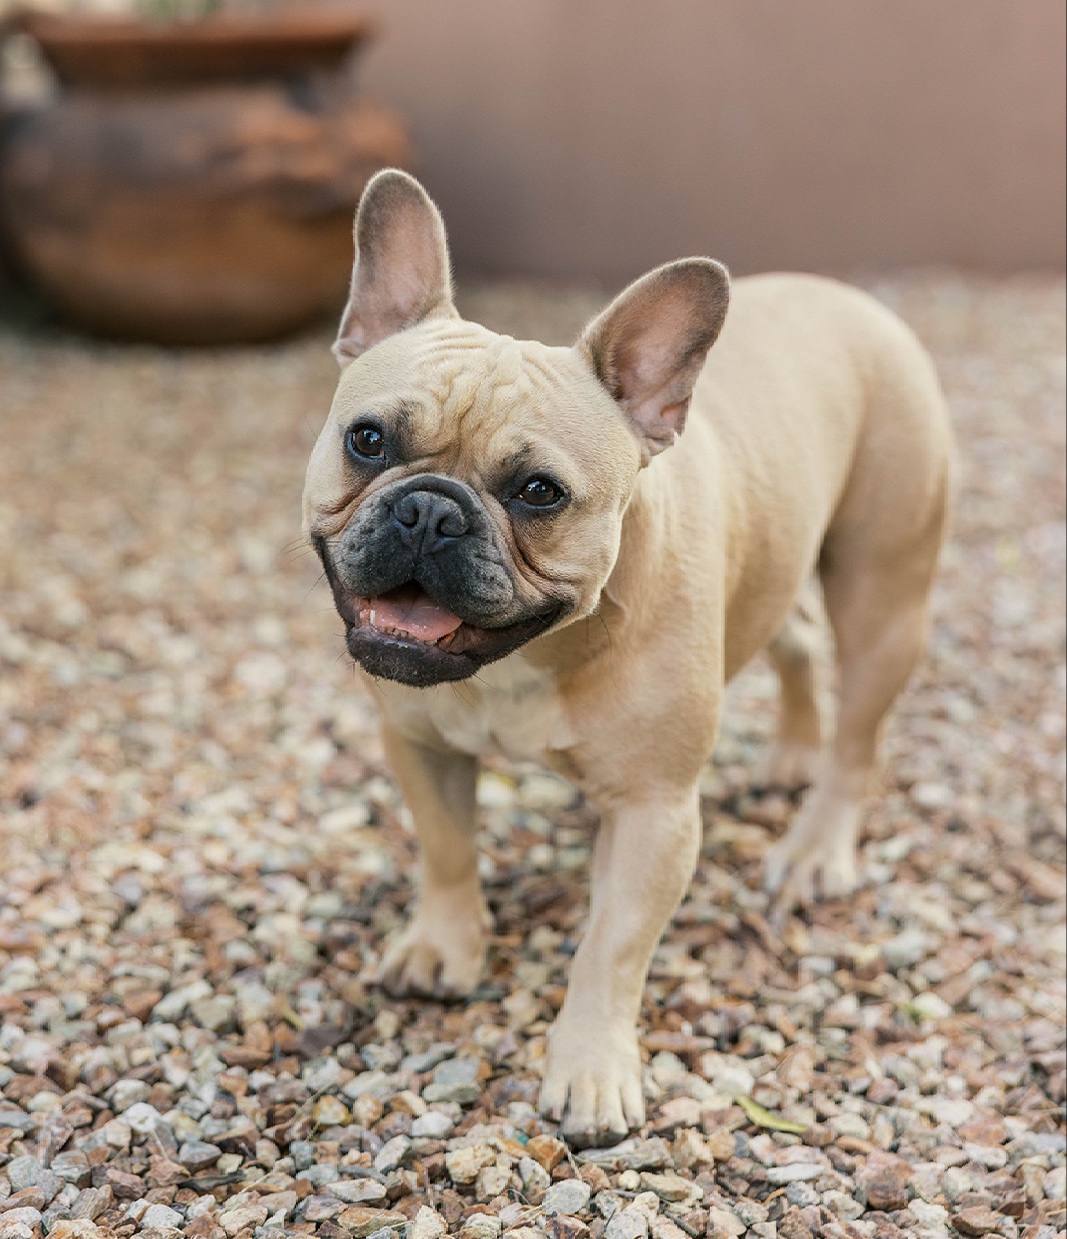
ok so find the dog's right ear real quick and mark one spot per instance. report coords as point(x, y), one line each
point(401, 273)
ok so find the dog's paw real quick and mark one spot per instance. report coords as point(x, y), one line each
point(435, 960)
point(815, 859)
point(787, 767)
point(595, 1092)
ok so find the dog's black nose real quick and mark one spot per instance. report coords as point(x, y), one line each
point(428, 520)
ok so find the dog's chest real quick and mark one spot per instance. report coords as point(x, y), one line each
point(511, 709)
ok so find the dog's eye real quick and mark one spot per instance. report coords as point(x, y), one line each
point(366, 441)
point(540, 493)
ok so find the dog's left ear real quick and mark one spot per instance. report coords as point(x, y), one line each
point(648, 346)
point(401, 273)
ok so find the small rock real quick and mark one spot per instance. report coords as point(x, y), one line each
point(17, 1119)
point(25, 1198)
point(844, 1206)
point(671, 1187)
point(934, 1216)
point(652, 1154)
point(320, 1174)
point(244, 1216)
point(568, 1196)
point(363, 1221)
point(454, 1079)
point(321, 1208)
point(627, 1224)
point(1055, 1183)
point(393, 1154)
point(328, 1111)
point(492, 1181)
point(23, 1172)
point(481, 1226)
point(357, 1191)
point(547, 1150)
point(689, 1150)
point(142, 1117)
point(931, 1006)
point(723, 1223)
point(566, 1226)
point(799, 1173)
point(197, 1155)
point(464, 1163)
point(72, 1167)
point(977, 1220)
point(884, 1181)
point(161, 1215)
point(427, 1224)
point(433, 1125)
point(535, 1178)
point(19, 1223)
point(848, 1124)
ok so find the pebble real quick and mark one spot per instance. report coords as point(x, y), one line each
point(799, 1173)
point(481, 1226)
point(568, 1196)
point(432, 1125)
point(1055, 1183)
point(927, 1214)
point(161, 1215)
point(198, 1154)
point(464, 1163)
point(725, 1222)
point(976, 1220)
point(357, 1191)
point(328, 1111)
point(627, 1224)
point(11, 1219)
point(427, 1224)
point(393, 1154)
point(233, 1221)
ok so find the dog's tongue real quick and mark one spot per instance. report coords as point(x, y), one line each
point(414, 612)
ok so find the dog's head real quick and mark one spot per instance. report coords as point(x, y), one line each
point(467, 492)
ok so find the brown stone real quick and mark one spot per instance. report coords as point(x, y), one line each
point(138, 1005)
point(978, 1220)
point(562, 1226)
point(793, 1226)
point(984, 1129)
point(595, 1176)
point(884, 1180)
point(126, 1186)
point(546, 1151)
point(27, 1198)
point(359, 1220)
point(203, 1227)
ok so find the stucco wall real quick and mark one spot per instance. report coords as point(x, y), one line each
point(597, 137)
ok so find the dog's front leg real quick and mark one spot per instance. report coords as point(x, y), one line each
point(441, 953)
point(645, 857)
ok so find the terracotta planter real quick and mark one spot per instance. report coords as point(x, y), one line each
point(194, 183)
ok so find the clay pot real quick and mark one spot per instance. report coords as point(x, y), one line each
point(194, 183)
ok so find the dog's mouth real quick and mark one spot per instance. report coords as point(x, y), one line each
point(408, 636)
point(410, 614)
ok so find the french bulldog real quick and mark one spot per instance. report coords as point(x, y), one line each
point(532, 559)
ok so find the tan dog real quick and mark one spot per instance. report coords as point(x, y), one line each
point(498, 512)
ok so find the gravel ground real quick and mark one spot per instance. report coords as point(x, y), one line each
point(202, 855)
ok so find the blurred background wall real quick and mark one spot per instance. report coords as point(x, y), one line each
point(594, 138)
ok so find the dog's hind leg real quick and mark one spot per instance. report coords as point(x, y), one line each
point(876, 599)
point(793, 760)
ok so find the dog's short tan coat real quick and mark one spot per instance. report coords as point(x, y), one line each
point(816, 442)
